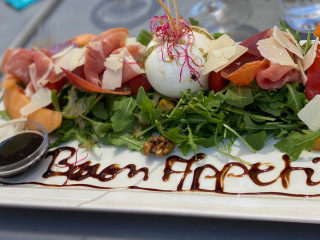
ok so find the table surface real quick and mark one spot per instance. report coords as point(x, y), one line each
point(21, 223)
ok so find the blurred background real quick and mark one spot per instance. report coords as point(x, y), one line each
point(65, 19)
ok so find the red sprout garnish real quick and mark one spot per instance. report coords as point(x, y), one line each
point(177, 44)
point(74, 165)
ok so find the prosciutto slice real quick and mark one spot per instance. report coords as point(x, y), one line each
point(248, 58)
point(276, 76)
point(17, 62)
point(131, 68)
point(251, 42)
point(98, 49)
point(76, 80)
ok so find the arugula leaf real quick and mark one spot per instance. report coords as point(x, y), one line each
point(148, 112)
point(99, 111)
point(123, 119)
point(308, 44)
point(67, 136)
point(295, 98)
point(127, 140)
point(257, 140)
point(285, 28)
point(55, 100)
point(99, 128)
point(297, 142)
point(144, 37)
point(174, 134)
point(78, 105)
point(193, 22)
point(4, 115)
point(239, 96)
point(217, 35)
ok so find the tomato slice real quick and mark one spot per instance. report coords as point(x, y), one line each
point(139, 81)
point(313, 75)
point(215, 81)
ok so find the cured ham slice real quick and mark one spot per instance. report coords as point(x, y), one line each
point(276, 76)
point(55, 49)
point(131, 68)
point(251, 42)
point(84, 85)
point(246, 61)
point(98, 49)
point(17, 62)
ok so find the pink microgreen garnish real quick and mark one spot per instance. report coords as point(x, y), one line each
point(74, 165)
point(176, 44)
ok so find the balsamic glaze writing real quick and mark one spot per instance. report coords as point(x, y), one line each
point(80, 172)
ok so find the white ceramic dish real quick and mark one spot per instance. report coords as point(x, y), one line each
point(169, 201)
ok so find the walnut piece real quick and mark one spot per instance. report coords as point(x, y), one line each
point(159, 145)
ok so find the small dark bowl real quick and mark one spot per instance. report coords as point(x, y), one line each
point(15, 127)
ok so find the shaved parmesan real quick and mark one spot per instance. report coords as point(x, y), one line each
point(285, 42)
point(112, 76)
point(270, 49)
point(63, 52)
point(221, 42)
point(222, 52)
point(311, 55)
point(72, 59)
point(294, 40)
point(302, 72)
point(131, 40)
point(240, 50)
point(128, 59)
point(310, 114)
point(33, 75)
point(40, 99)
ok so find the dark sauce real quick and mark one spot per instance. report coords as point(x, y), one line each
point(18, 147)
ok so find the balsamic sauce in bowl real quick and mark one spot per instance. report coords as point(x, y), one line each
point(22, 144)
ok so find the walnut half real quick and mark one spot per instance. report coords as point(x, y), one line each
point(159, 145)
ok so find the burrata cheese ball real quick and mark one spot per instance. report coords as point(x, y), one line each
point(171, 74)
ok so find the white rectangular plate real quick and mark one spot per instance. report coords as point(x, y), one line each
point(157, 196)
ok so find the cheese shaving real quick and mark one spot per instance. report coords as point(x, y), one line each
point(310, 114)
point(311, 55)
point(63, 52)
point(72, 59)
point(131, 40)
point(285, 42)
point(294, 40)
point(302, 72)
point(33, 75)
point(221, 42)
point(112, 76)
point(222, 52)
point(40, 99)
point(270, 49)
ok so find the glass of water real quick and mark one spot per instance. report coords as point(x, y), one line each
point(301, 15)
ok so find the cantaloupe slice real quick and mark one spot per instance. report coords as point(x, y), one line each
point(82, 39)
point(14, 99)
